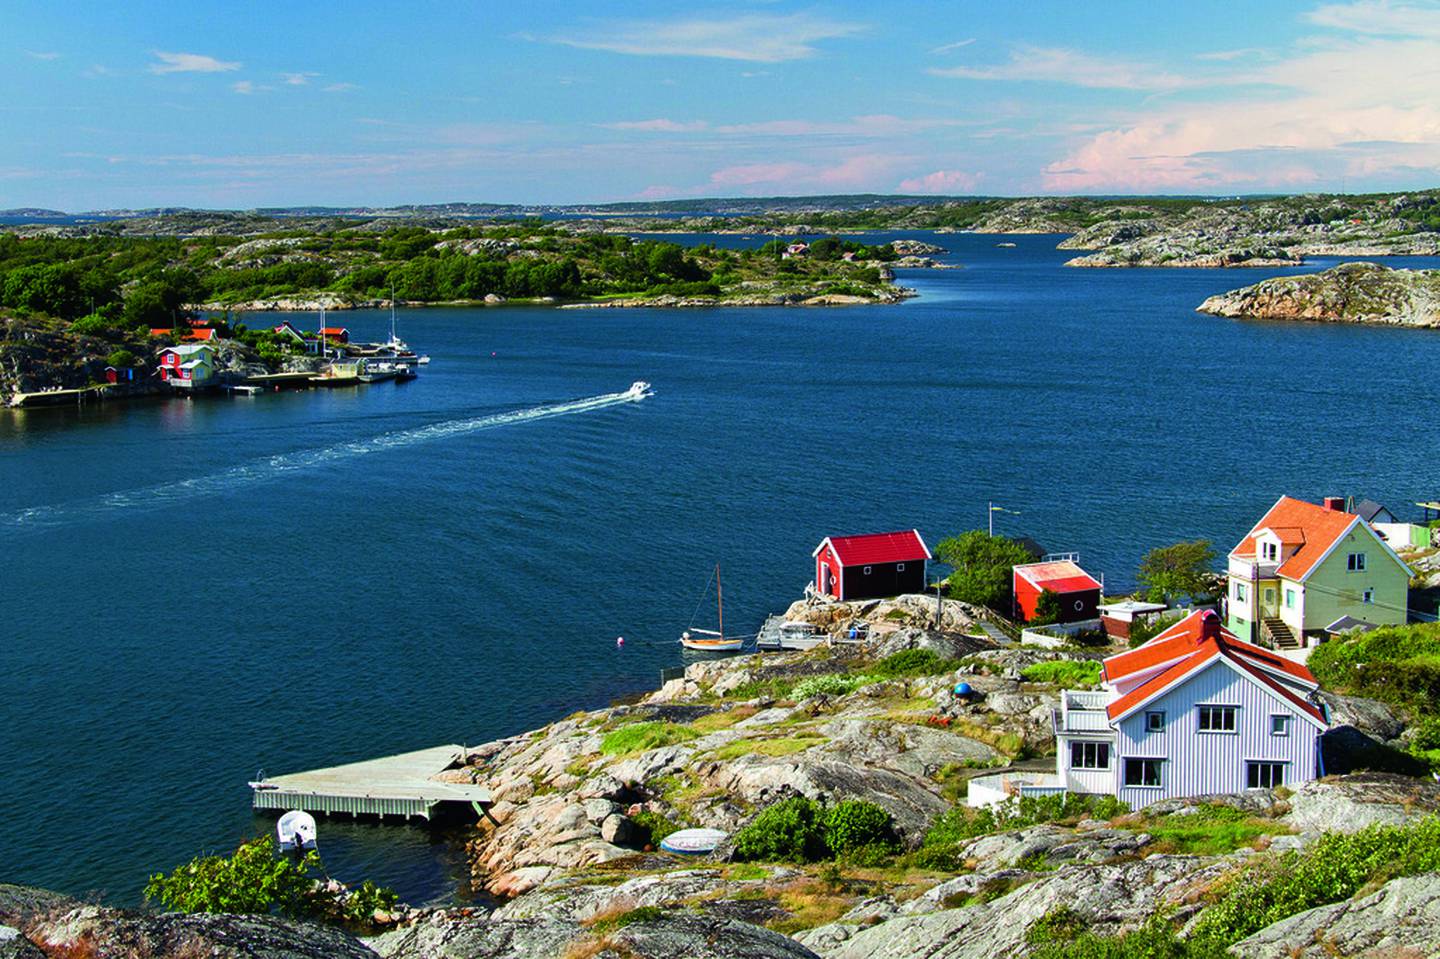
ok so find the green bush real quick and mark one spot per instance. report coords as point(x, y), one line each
point(913, 662)
point(940, 848)
point(1047, 608)
point(830, 684)
point(854, 824)
point(641, 914)
point(1064, 672)
point(1213, 829)
point(791, 830)
point(638, 737)
point(120, 359)
point(652, 827)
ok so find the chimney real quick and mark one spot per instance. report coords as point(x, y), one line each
point(1334, 503)
point(1209, 625)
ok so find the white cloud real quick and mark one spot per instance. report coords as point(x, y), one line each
point(873, 125)
point(658, 125)
point(764, 38)
point(190, 63)
point(943, 181)
point(1058, 65)
point(42, 55)
point(1380, 18)
point(247, 87)
point(946, 48)
point(297, 79)
point(339, 87)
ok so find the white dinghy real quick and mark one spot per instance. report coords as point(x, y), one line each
point(296, 830)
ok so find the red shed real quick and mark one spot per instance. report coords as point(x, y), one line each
point(871, 566)
point(1079, 592)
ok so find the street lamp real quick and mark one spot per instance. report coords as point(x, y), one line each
point(998, 509)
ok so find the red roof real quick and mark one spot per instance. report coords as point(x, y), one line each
point(204, 333)
point(1192, 643)
point(334, 331)
point(1309, 526)
point(1060, 576)
point(873, 548)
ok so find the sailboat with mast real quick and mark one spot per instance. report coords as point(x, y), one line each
point(712, 640)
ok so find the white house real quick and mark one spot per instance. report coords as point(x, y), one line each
point(1193, 712)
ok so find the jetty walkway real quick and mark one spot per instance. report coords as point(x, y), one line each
point(403, 785)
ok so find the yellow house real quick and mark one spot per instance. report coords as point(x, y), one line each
point(1306, 565)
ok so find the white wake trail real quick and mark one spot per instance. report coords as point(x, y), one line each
point(283, 464)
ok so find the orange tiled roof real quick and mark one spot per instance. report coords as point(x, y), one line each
point(1311, 527)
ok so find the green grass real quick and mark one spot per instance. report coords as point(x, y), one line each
point(787, 746)
point(638, 737)
point(1212, 830)
point(1064, 672)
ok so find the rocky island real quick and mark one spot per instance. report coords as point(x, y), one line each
point(868, 747)
point(1348, 293)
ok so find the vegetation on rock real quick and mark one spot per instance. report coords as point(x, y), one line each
point(981, 566)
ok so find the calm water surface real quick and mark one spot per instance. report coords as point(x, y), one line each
point(194, 590)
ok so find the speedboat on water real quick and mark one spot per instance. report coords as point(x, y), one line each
point(296, 830)
point(638, 389)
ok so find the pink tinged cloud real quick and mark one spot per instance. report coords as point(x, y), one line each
point(943, 181)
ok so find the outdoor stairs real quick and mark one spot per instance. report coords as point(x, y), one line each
point(1279, 634)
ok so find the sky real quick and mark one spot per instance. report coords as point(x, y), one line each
point(230, 105)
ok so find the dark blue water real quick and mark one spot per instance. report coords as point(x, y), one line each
point(191, 590)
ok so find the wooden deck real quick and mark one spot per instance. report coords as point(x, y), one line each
point(58, 397)
point(402, 785)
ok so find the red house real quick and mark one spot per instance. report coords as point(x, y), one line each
point(1079, 592)
point(871, 566)
point(336, 334)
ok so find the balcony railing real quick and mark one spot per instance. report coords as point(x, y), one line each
point(1252, 569)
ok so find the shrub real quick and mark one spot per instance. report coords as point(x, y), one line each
point(638, 737)
point(121, 359)
point(854, 824)
point(791, 830)
point(913, 662)
point(1064, 672)
point(652, 827)
point(1047, 608)
point(962, 823)
point(830, 684)
point(630, 918)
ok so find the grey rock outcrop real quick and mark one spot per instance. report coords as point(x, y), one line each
point(109, 932)
point(1401, 920)
point(1364, 799)
point(1348, 293)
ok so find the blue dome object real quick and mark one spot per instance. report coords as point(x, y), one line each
point(962, 689)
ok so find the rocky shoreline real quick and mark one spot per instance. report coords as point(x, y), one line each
point(1349, 293)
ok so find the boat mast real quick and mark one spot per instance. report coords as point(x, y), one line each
point(392, 314)
point(720, 600)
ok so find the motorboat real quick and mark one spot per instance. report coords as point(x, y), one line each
point(296, 830)
point(639, 389)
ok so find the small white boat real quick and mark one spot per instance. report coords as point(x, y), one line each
point(710, 640)
point(639, 389)
point(296, 830)
point(693, 842)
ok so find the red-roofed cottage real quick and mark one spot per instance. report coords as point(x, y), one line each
point(1306, 565)
point(1195, 711)
point(1079, 592)
point(871, 566)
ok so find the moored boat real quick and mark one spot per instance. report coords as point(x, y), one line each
point(709, 640)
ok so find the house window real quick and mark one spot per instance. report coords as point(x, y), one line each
point(1272, 551)
point(1264, 775)
point(1154, 721)
point(1089, 755)
point(1241, 593)
point(867, 570)
point(1355, 562)
point(1142, 772)
point(899, 567)
point(1368, 596)
point(1279, 725)
point(1289, 598)
point(1217, 719)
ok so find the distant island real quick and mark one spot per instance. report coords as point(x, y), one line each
point(1349, 293)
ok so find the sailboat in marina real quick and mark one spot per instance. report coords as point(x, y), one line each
point(713, 640)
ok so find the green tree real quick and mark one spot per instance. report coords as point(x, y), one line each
point(1172, 572)
point(256, 879)
point(981, 566)
point(1047, 608)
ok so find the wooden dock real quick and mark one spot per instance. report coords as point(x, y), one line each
point(59, 397)
point(402, 785)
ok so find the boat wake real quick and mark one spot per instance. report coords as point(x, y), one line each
point(274, 467)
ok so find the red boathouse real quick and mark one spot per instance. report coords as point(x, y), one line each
point(1079, 592)
point(871, 566)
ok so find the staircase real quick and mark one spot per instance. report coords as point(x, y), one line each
point(1278, 633)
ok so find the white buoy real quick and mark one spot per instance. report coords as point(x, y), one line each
point(619, 642)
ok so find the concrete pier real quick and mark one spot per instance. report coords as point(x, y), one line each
point(402, 785)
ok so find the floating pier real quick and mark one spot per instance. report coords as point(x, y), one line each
point(58, 397)
point(403, 785)
point(774, 635)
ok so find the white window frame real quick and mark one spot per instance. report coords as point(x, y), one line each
point(866, 571)
point(1159, 782)
point(1280, 728)
point(1273, 767)
point(1289, 598)
point(1367, 596)
point(1096, 752)
point(899, 567)
point(1207, 713)
point(1155, 721)
point(1241, 593)
point(1271, 551)
point(1355, 562)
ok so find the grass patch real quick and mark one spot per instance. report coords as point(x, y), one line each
point(745, 872)
point(913, 663)
point(811, 903)
point(1063, 672)
point(831, 684)
point(941, 847)
point(785, 746)
point(1212, 830)
point(714, 722)
point(639, 737)
point(774, 687)
point(609, 922)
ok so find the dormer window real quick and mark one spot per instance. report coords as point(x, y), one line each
point(1270, 550)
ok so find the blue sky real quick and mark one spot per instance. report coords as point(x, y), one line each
point(266, 104)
